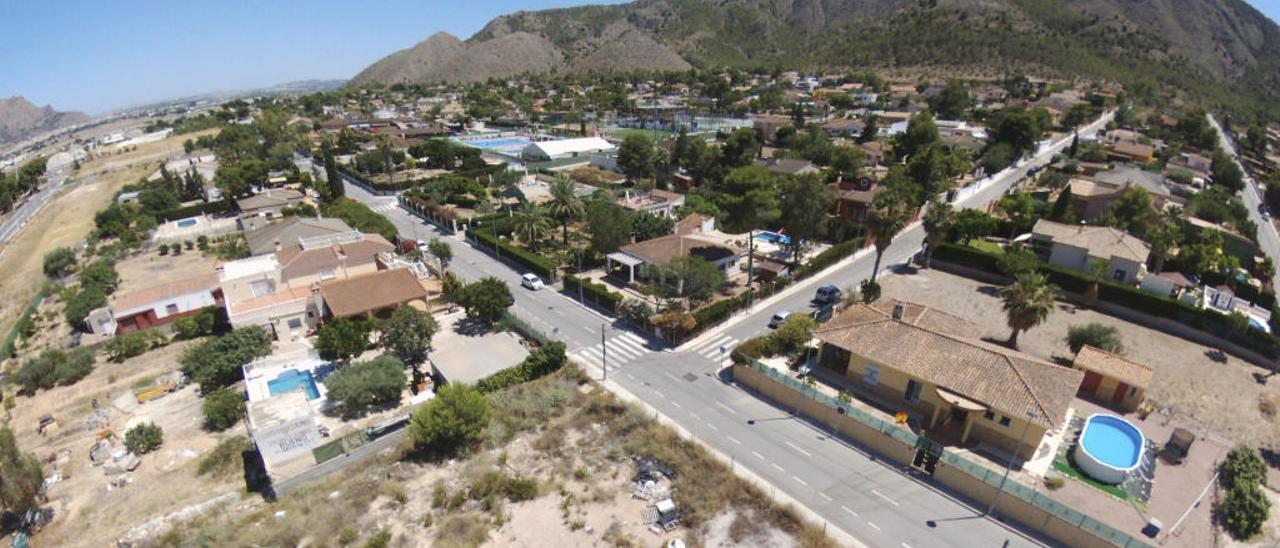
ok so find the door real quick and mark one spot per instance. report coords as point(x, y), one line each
point(1122, 390)
point(1090, 383)
point(913, 391)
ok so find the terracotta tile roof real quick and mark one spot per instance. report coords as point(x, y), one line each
point(273, 300)
point(1114, 366)
point(289, 231)
point(1003, 379)
point(128, 302)
point(663, 249)
point(1099, 241)
point(296, 261)
point(371, 292)
point(270, 198)
point(690, 224)
point(1133, 150)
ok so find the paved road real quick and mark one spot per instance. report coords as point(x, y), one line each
point(1268, 239)
point(23, 214)
point(843, 484)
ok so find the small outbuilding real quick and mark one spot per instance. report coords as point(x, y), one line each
point(1112, 379)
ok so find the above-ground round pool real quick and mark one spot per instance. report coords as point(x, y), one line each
point(1109, 448)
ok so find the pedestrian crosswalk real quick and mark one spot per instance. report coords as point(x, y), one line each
point(383, 207)
point(716, 349)
point(622, 349)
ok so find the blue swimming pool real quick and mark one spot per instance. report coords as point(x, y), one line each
point(774, 237)
point(187, 223)
point(292, 380)
point(1109, 448)
point(506, 144)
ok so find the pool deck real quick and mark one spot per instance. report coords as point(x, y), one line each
point(259, 373)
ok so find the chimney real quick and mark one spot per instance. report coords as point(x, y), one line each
point(898, 309)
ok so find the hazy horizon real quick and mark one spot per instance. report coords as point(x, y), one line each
point(105, 58)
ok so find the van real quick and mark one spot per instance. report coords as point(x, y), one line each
point(826, 294)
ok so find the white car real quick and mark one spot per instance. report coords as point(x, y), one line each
point(531, 281)
point(778, 318)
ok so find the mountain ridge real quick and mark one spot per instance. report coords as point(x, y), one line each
point(1223, 49)
point(19, 119)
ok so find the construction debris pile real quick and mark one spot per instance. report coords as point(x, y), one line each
point(653, 483)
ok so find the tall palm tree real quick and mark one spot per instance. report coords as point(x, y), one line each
point(1097, 269)
point(938, 221)
point(384, 148)
point(886, 220)
point(531, 225)
point(1027, 303)
point(565, 206)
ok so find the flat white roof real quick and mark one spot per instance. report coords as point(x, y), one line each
point(249, 267)
point(569, 146)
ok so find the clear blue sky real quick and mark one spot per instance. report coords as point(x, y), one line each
point(96, 56)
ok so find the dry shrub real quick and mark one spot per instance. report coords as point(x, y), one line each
point(1269, 405)
point(463, 530)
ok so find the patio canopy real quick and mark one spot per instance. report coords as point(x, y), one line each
point(625, 259)
point(959, 401)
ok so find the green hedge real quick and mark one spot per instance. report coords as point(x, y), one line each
point(598, 294)
point(537, 263)
point(1072, 281)
point(398, 185)
point(541, 362)
point(828, 257)
point(206, 208)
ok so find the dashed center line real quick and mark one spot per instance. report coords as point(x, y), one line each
point(802, 451)
point(630, 376)
point(713, 427)
point(676, 404)
point(824, 495)
point(695, 416)
point(758, 455)
point(732, 439)
point(660, 395)
point(775, 465)
point(851, 512)
point(800, 481)
point(670, 376)
point(872, 525)
point(881, 495)
point(905, 545)
point(727, 408)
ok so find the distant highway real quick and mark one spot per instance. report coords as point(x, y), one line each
point(1268, 239)
point(25, 212)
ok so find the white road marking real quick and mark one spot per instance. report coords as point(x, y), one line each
point(775, 465)
point(732, 439)
point(824, 495)
point(905, 545)
point(873, 525)
point(659, 394)
point(695, 416)
point(802, 451)
point(758, 455)
point(670, 376)
point(727, 408)
point(800, 481)
point(713, 427)
point(881, 495)
point(676, 404)
point(630, 376)
point(851, 512)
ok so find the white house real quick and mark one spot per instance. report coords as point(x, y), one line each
point(1078, 247)
point(566, 148)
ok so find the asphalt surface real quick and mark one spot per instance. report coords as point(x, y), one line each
point(1268, 239)
point(23, 214)
point(876, 502)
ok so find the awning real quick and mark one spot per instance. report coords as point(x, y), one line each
point(959, 401)
point(625, 259)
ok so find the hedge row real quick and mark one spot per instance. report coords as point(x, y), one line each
point(1123, 295)
point(205, 208)
point(598, 294)
point(828, 257)
point(537, 263)
point(541, 362)
point(399, 185)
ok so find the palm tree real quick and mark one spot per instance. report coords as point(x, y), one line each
point(886, 219)
point(1097, 269)
point(531, 225)
point(565, 206)
point(384, 148)
point(938, 220)
point(1027, 303)
point(1165, 237)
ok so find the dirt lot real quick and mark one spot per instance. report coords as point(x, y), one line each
point(1192, 381)
point(87, 510)
point(565, 433)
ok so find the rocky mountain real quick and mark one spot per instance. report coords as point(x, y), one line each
point(20, 119)
point(1221, 49)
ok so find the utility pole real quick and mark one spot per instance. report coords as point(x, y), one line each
point(1031, 415)
point(581, 301)
point(604, 352)
point(751, 258)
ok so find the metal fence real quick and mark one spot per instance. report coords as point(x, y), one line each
point(987, 475)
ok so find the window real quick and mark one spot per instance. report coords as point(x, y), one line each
point(989, 415)
point(260, 288)
point(871, 374)
point(328, 274)
point(295, 323)
point(1004, 421)
point(1118, 275)
point(913, 391)
point(1132, 391)
point(170, 309)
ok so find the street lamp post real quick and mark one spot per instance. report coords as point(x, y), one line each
point(1031, 415)
point(604, 353)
